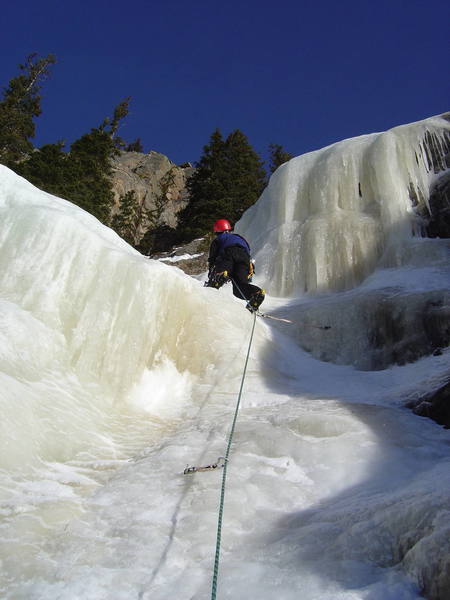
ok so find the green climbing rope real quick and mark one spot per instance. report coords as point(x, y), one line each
point(224, 473)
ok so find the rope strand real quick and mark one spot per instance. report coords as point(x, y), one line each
point(224, 475)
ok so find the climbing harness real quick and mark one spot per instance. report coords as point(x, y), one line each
point(251, 269)
point(220, 463)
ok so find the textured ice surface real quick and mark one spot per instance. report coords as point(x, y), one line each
point(327, 218)
point(116, 371)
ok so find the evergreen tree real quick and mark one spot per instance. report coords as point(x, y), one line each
point(157, 239)
point(90, 165)
point(135, 146)
point(278, 156)
point(126, 220)
point(206, 189)
point(20, 105)
point(228, 179)
point(82, 176)
point(89, 174)
point(46, 168)
point(246, 175)
point(111, 126)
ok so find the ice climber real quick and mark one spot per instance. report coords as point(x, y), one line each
point(229, 258)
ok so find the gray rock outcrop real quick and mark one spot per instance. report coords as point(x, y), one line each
point(192, 258)
point(159, 186)
point(435, 405)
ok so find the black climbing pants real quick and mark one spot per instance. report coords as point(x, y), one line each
point(236, 261)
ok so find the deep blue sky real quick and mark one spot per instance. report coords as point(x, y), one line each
point(300, 73)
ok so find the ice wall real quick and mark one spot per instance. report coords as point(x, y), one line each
point(98, 345)
point(328, 218)
point(89, 329)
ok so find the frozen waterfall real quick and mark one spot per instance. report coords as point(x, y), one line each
point(348, 219)
point(116, 371)
point(329, 217)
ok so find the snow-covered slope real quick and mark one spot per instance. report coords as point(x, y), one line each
point(116, 371)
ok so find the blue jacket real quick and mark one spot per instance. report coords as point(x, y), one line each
point(225, 240)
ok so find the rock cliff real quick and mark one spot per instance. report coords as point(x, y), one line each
point(435, 405)
point(159, 186)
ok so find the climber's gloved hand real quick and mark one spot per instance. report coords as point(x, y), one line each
point(217, 280)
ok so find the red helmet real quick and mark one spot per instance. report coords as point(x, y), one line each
point(222, 225)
